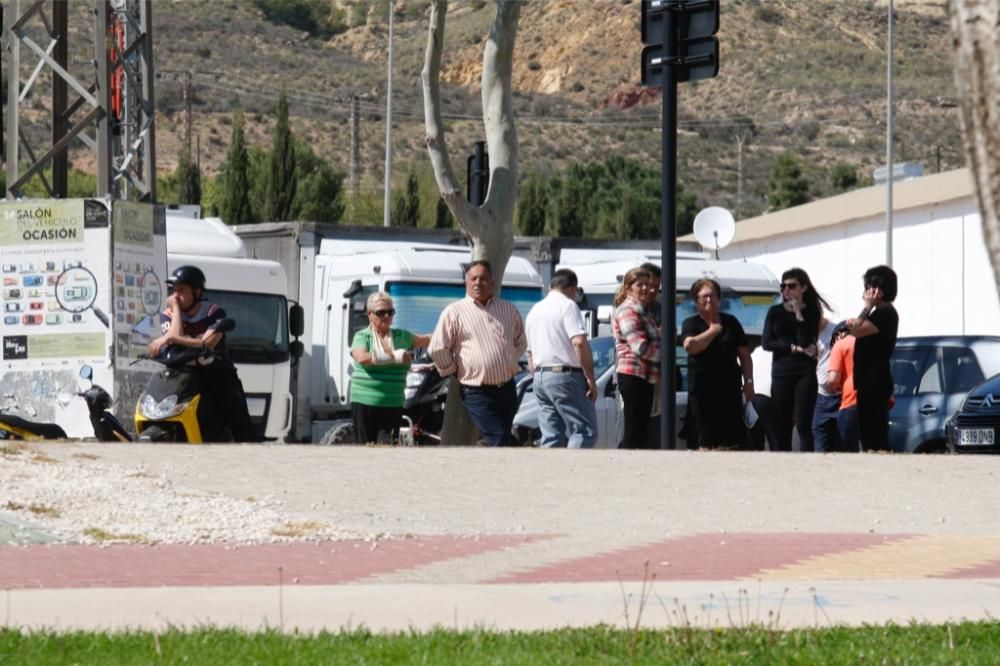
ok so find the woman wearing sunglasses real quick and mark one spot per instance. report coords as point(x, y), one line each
point(790, 333)
point(381, 360)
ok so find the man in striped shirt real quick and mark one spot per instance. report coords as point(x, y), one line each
point(480, 339)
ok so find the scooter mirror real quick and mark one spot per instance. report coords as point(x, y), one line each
point(86, 372)
point(225, 325)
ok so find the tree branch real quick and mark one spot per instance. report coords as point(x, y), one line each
point(437, 148)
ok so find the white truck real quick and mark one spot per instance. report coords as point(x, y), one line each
point(253, 292)
point(748, 289)
point(336, 271)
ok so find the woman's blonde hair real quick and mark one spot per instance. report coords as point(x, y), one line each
point(633, 276)
point(375, 299)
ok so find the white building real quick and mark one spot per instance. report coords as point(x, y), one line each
point(946, 284)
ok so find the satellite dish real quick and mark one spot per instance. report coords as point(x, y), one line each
point(714, 227)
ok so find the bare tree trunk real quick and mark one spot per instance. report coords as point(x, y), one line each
point(490, 227)
point(975, 27)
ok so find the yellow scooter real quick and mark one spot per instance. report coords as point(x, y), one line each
point(172, 408)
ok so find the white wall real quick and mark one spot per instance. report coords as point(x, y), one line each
point(946, 283)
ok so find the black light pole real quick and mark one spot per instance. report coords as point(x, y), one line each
point(668, 242)
point(680, 47)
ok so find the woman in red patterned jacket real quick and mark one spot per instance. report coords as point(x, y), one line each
point(637, 345)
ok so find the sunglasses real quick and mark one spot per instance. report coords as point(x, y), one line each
point(789, 285)
point(383, 313)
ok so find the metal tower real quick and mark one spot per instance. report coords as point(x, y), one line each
point(107, 105)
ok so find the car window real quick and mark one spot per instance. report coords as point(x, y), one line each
point(908, 365)
point(961, 370)
point(930, 381)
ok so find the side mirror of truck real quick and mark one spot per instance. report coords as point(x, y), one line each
point(354, 289)
point(296, 320)
point(296, 349)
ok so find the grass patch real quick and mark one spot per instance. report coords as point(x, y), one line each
point(975, 642)
point(99, 534)
point(291, 529)
point(12, 449)
point(37, 509)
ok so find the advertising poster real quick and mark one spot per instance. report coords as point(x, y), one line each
point(55, 301)
point(139, 264)
point(52, 257)
point(138, 296)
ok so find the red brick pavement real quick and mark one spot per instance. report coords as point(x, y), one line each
point(984, 570)
point(699, 557)
point(303, 563)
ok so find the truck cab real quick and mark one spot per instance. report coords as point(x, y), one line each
point(252, 292)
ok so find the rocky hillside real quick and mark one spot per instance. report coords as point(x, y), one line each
point(801, 75)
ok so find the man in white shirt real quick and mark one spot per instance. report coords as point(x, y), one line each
point(560, 359)
point(824, 425)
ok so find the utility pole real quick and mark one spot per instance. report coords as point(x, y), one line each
point(888, 145)
point(740, 140)
point(188, 96)
point(113, 96)
point(355, 157)
point(387, 199)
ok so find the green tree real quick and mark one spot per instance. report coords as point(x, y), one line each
point(320, 18)
point(443, 218)
point(188, 180)
point(235, 204)
point(531, 207)
point(406, 206)
point(787, 186)
point(687, 209)
point(319, 195)
point(283, 179)
point(843, 177)
point(571, 207)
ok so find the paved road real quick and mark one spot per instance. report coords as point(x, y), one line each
point(524, 539)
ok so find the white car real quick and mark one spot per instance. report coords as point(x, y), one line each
point(609, 415)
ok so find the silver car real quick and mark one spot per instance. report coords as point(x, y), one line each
point(609, 419)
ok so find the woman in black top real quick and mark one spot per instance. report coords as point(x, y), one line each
point(875, 329)
point(790, 333)
point(714, 342)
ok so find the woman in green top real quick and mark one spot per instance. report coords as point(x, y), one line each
point(381, 360)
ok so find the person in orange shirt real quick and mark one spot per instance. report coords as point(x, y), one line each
point(841, 377)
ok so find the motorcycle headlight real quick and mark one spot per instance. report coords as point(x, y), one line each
point(163, 409)
point(413, 379)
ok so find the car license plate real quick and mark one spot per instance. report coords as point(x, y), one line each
point(976, 436)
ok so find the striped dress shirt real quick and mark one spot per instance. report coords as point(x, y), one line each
point(481, 344)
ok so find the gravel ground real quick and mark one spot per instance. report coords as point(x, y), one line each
point(86, 492)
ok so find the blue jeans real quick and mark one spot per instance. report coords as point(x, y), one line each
point(825, 435)
point(565, 413)
point(850, 429)
point(492, 410)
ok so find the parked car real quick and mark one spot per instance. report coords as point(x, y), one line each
point(931, 377)
point(973, 428)
point(609, 418)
